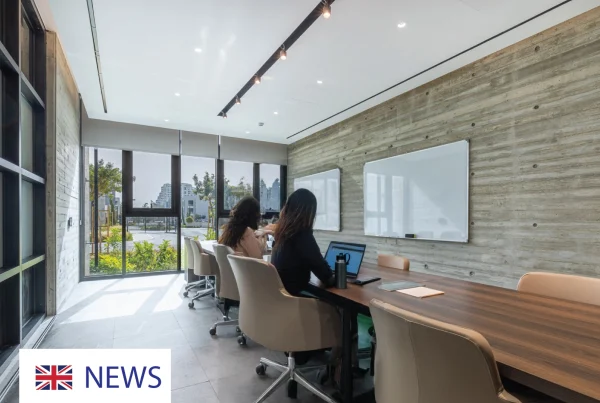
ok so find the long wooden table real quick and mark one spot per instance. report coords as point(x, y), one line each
point(548, 344)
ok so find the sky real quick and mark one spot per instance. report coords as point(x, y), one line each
point(151, 171)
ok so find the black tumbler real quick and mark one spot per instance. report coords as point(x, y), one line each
point(341, 263)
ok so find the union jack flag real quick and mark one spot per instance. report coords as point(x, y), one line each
point(53, 377)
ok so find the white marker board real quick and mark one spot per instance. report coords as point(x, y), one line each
point(424, 193)
point(326, 188)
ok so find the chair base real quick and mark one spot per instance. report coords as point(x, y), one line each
point(289, 373)
point(209, 290)
point(192, 285)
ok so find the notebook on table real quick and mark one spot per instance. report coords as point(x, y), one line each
point(421, 292)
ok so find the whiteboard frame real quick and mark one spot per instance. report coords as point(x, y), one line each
point(468, 204)
point(339, 191)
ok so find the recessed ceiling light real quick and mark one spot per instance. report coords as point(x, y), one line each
point(198, 50)
point(319, 82)
point(247, 132)
point(276, 113)
point(177, 94)
point(401, 24)
point(166, 120)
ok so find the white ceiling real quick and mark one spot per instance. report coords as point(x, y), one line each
point(147, 52)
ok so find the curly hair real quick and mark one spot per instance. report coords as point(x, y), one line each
point(246, 213)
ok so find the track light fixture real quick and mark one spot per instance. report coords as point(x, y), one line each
point(238, 100)
point(256, 80)
point(224, 115)
point(326, 9)
point(282, 53)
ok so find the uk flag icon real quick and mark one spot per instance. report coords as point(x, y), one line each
point(53, 377)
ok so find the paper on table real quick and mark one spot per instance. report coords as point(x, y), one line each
point(421, 292)
point(398, 285)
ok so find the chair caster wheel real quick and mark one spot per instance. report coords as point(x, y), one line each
point(212, 331)
point(241, 340)
point(191, 305)
point(238, 330)
point(292, 389)
point(261, 369)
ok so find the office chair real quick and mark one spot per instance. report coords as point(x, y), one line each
point(281, 322)
point(564, 286)
point(228, 290)
point(204, 266)
point(190, 268)
point(393, 262)
point(422, 360)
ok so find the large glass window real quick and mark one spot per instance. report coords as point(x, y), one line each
point(103, 213)
point(238, 178)
point(153, 244)
point(270, 189)
point(152, 180)
point(198, 198)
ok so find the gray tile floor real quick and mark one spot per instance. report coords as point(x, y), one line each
point(149, 312)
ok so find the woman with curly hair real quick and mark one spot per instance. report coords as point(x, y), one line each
point(239, 232)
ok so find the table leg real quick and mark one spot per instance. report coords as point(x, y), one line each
point(346, 381)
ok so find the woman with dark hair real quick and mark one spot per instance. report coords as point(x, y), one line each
point(239, 234)
point(296, 253)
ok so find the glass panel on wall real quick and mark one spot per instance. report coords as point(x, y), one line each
point(238, 182)
point(26, 135)
point(26, 48)
point(269, 189)
point(151, 180)
point(103, 232)
point(26, 220)
point(153, 244)
point(198, 198)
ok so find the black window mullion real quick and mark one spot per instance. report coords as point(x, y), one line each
point(282, 185)
point(256, 181)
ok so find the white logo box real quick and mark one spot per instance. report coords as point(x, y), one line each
point(85, 387)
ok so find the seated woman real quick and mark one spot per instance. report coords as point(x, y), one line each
point(239, 234)
point(296, 253)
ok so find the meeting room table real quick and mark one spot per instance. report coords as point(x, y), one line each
point(548, 344)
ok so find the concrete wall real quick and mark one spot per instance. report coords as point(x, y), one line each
point(532, 113)
point(62, 187)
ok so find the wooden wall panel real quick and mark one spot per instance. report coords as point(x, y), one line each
point(532, 114)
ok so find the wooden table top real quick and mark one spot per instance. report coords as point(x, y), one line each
point(549, 339)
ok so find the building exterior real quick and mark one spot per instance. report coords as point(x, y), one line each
point(270, 196)
point(163, 200)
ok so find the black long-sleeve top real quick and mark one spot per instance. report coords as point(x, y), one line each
point(296, 258)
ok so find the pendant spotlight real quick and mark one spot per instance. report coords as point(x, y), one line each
point(238, 100)
point(282, 53)
point(326, 9)
point(256, 80)
point(224, 115)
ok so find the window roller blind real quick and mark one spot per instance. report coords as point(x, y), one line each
point(199, 144)
point(235, 149)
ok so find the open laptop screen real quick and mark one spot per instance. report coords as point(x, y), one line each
point(355, 251)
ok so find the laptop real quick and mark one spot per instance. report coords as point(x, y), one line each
point(355, 251)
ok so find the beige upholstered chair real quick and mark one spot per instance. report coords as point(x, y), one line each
point(393, 262)
point(228, 289)
point(205, 266)
point(191, 277)
point(421, 360)
point(281, 322)
point(565, 286)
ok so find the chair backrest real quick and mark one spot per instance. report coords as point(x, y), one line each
point(421, 360)
point(565, 286)
point(394, 262)
point(203, 265)
point(189, 252)
point(229, 288)
point(277, 320)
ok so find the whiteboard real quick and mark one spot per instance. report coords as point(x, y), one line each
point(424, 193)
point(326, 188)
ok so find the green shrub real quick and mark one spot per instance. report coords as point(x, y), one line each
point(166, 257)
point(189, 219)
point(142, 256)
point(110, 264)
